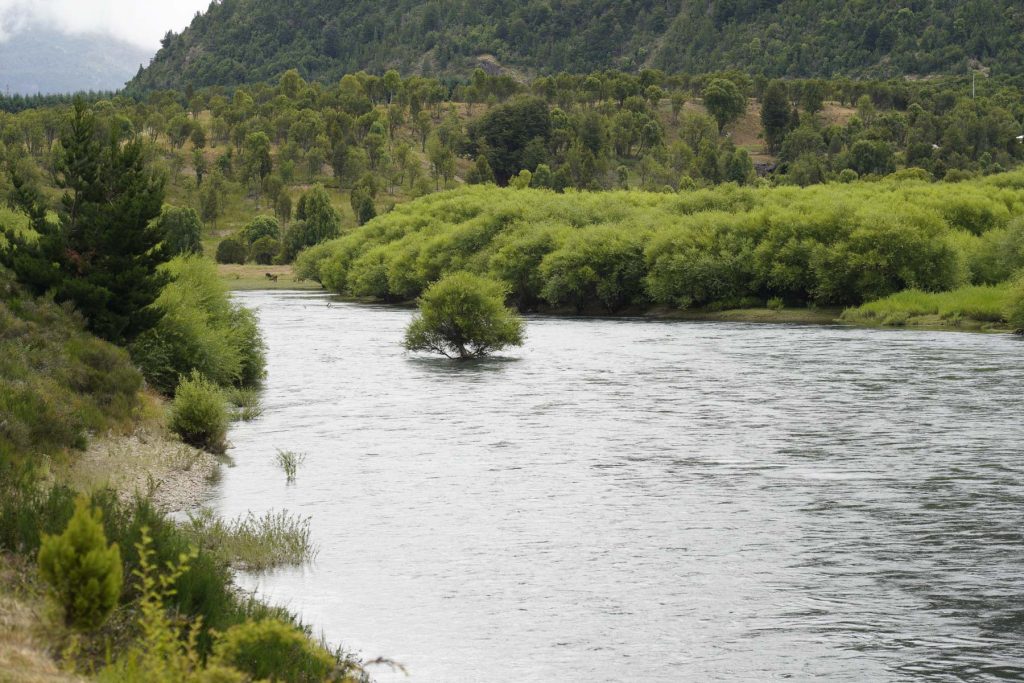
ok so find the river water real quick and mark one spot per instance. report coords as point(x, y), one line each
point(630, 500)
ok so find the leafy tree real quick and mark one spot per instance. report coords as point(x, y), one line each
point(261, 226)
point(504, 132)
point(775, 115)
point(464, 316)
point(84, 572)
point(264, 250)
point(231, 250)
point(725, 101)
point(481, 172)
point(322, 220)
point(182, 230)
point(104, 254)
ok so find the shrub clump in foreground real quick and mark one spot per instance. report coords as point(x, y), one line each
point(273, 650)
point(83, 571)
point(464, 316)
point(199, 414)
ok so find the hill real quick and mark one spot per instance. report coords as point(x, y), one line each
point(39, 60)
point(238, 41)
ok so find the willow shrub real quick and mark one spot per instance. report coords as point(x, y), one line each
point(201, 330)
point(273, 650)
point(1014, 310)
point(199, 414)
point(838, 244)
point(464, 316)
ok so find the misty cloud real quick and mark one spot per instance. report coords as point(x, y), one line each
point(141, 22)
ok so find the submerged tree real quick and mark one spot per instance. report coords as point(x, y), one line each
point(464, 316)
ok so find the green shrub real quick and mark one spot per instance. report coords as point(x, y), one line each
point(599, 265)
point(199, 414)
point(464, 316)
point(1015, 306)
point(264, 250)
point(270, 649)
point(981, 303)
point(231, 250)
point(82, 570)
point(200, 330)
point(182, 230)
point(260, 227)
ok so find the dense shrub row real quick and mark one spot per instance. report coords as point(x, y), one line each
point(829, 245)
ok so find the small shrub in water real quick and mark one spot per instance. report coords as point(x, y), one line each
point(83, 571)
point(270, 649)
point(289, 462)
point(199, 414)
point(464, 316)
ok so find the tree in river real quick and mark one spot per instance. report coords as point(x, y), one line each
point(103, 254)
point(464, 316)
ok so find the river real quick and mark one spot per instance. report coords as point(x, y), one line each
point(634, 500)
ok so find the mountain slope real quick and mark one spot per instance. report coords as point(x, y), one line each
point(253, 40)
point(39, 60)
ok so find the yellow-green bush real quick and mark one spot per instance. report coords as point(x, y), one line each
point(200, 330)
point(1014, 310)
point(199, 414)
point(839, 244)
point(273, 650)
point(83, 571)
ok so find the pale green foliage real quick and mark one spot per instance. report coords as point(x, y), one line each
point(84, 572)
point(200, 330)
point(273, 650)
point(464, 316)
point(979, 302)
point(165, 652)
point(199, 414)
point(1015, 305)
point(840, 244)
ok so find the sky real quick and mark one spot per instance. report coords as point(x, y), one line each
point(142, 22)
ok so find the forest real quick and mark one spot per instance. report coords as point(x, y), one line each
point(245, 41)
point(359, 147)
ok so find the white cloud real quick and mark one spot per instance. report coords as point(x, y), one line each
point(143, 22)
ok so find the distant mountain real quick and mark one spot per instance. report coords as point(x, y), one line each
point(37, 60)
point(238, 41)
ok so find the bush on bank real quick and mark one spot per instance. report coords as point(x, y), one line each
point(838, 244)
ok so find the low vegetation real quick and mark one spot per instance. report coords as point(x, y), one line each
point(974, 306)
point(289, 461)
point(254, 542)
point(199, 413)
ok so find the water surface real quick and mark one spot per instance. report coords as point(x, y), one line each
point(628, 500)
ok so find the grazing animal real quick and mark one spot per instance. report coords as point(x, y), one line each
point(272, 278)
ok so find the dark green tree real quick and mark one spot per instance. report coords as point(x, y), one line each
point(725, 101)
point(504, 133)
point(775, 115)
point(182, 230)
point(103, 254)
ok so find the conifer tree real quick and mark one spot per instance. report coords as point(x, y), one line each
point(103, 253)
point(83, 571)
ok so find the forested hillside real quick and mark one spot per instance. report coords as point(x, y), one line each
point(238, 41)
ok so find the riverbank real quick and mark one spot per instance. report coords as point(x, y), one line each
point(256, 277)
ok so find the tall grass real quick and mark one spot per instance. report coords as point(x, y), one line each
point(255, 542)
point(289, 462)
point(982, 303)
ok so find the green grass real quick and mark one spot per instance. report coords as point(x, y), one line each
point(255, 543)
point(975, 307)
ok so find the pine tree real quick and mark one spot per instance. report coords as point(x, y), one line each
point(103, 254)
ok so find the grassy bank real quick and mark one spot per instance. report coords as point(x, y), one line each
point(980, 308)
point(253, 277)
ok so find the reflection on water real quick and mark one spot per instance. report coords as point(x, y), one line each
point(634, 500)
